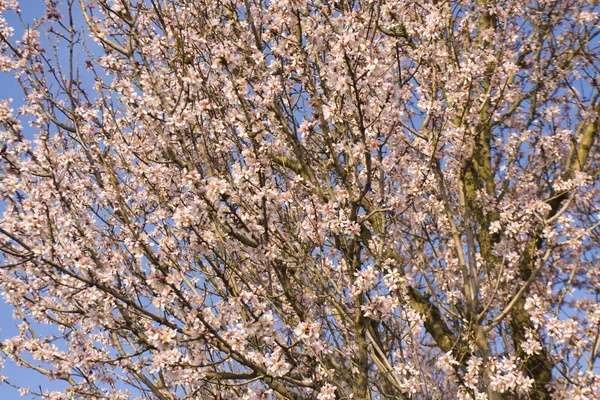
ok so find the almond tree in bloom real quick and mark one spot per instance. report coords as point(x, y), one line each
point(304, 199)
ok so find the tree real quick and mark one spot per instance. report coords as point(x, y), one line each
point(302, 199)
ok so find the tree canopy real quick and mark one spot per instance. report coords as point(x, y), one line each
point(304, 199)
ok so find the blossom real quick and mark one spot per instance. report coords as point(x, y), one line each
point(507, 377)
point(276, 364)
point(308, 331)
point(531, 346)
point(327, 392)
point(296, 198)
point(365, 279)
point(163, 338)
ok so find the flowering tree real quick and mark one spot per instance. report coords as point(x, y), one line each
point(304, 199)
